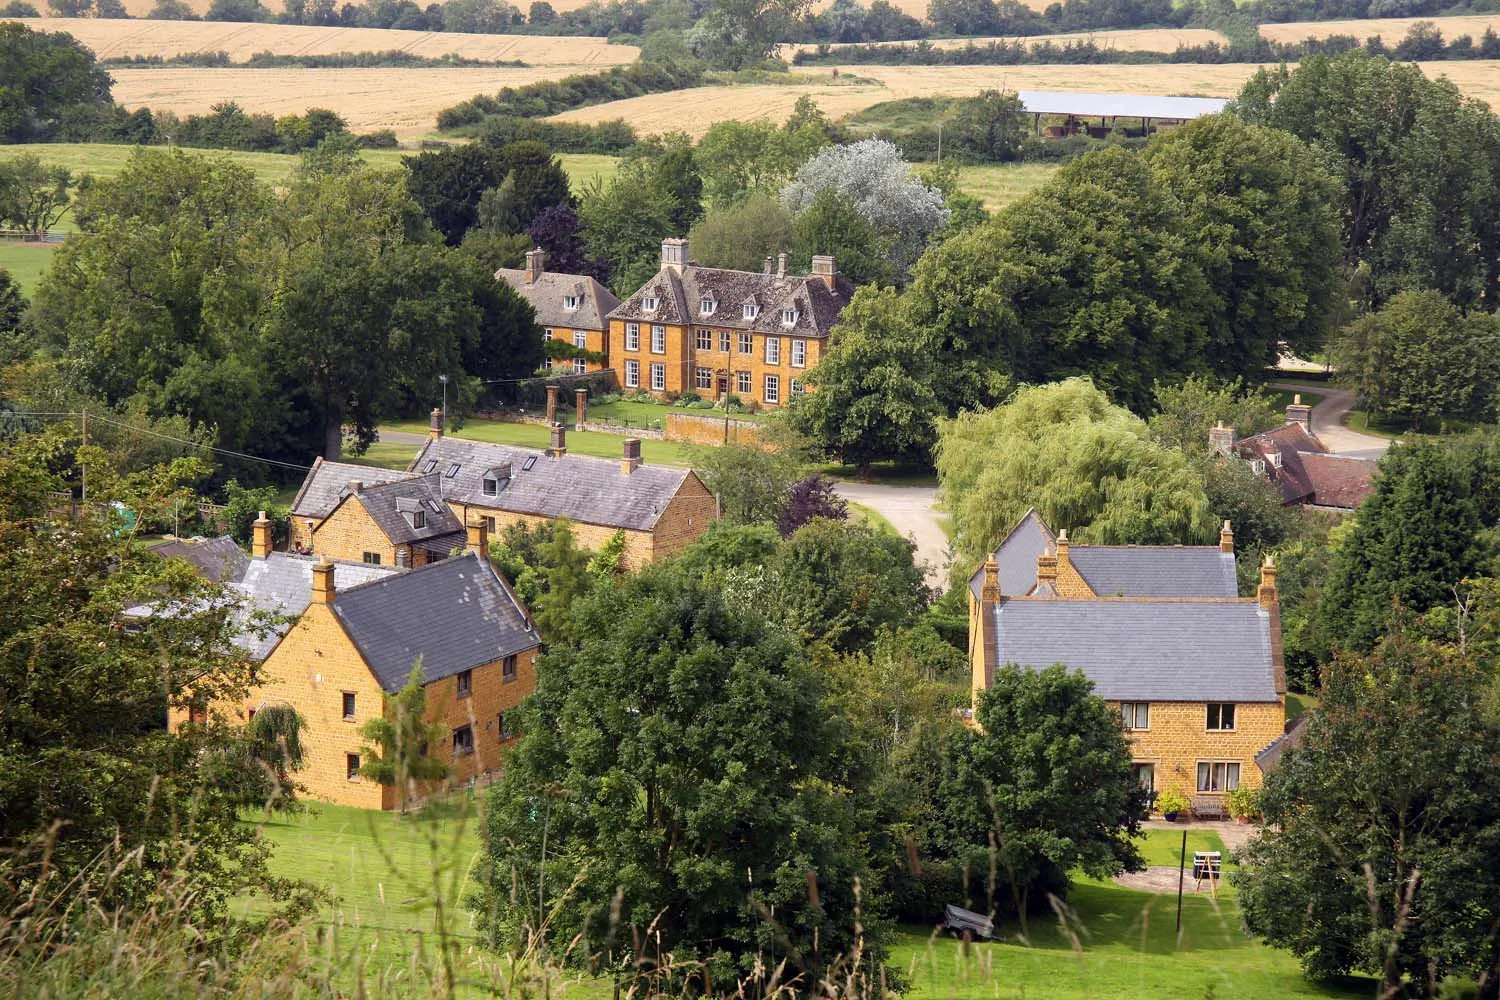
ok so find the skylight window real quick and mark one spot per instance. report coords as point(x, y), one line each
point(526, 467)
point(430, 464)
point(452, 471)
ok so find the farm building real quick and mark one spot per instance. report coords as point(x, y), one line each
point(1144, 113)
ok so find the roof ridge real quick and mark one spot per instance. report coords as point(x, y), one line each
point(571, 455)
point(1169, 548)
point(1116, 599)
point(404, 572)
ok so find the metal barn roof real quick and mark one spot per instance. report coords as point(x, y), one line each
point(1069, 102)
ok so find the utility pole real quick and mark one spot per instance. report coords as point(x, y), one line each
point(1181, 864)
point(85, 422)
point(940, 142)
point(444, 379)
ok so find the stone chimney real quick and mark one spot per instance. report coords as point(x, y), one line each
point(1298, 412)
point(1226, 539)
point(781, 264)
point(478, 540)
point(1267, 592)
point(261, 537)
point(536, 264)
point(356, 485)
point(986, 655)
point(824, 267)
point(632, 459)
point(1046, 575)
point(559, 446)
point(1221, 439)
point(990, 594)
point(322, 582)
point(1064, 550)
point(552, 392)
point(674, 253)
point(767, 269)
point(581, 407)
point(435, 424)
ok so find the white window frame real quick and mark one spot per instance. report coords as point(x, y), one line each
point(750, 311)
point(632, 336)
point(650, 304)
point(1208, 717)
point(797, 388)
point(799, 352)
point(742, 386)
point(633, 374)
point(1136, 715)
point(546, 333)
point(704, 340)
point(1136, 766)
point(703, 378)
point(1217, 776)
point(658, 339)
point(773, 389)
point(789, 317)
point(581, 339)
point(724, 341)
point(658, 378)
point(773, 350)
point(706, 306)
point(747, 343)
point(570, 302)
point(580, 366)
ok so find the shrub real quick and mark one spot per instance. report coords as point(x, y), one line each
point(688, 397)
point(1170, 800)
point(1243, 802)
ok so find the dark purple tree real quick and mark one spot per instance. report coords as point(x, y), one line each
point(555, 230)
point(811, 498)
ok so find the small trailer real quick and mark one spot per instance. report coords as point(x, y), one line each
point(962, 921)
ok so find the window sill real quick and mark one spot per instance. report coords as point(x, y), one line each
point(349, 718)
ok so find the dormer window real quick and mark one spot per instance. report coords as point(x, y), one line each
point(1258, 467)
point(650, 303)
point(706, 306)
point(570, 302)
point(751, 310)
point(496, 479)
point(788, 317)
point(417, 518)
point(1275, 457)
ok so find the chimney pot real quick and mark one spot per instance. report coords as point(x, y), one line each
point(632, 456)
point(1298, 412)
point(559, 446)
point(435, 423)
point(323, 591)
point(1064, 550)
point(768, 264)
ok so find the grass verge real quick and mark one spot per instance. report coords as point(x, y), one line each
point(1297, 704)
point(26, 262)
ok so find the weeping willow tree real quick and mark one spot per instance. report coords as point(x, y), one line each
point(399, 738)
point(1085, 464)
point(275, 742)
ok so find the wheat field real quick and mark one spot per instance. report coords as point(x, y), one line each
point(169, 38)
point(1133, 40)
point(1391, 30)
point(142, 8)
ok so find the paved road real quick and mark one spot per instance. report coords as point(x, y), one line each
point(912, 512)
point(1328, 423)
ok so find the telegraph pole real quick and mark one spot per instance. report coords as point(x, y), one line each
point(444, 379)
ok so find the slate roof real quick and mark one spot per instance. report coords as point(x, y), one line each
point(1156, 570)
point(1146, 650)
point(281, 584)
point(1269, 759)
point(1016, 557)
point(547, 293)
point(1308, 473)
point(327, 483)
point(390, 504)
point(1113, 570)
point(455, 615)
point(578, 487)
point(218, 559)
point(681, 291)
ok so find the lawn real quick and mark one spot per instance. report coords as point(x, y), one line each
point(1163, 847)
point(26, 262)
point(385, 871)
point(1297, 704)
point(594, 443)
point(1282, 398)
point(386, 455)
point(999, 184)
point(641, 413)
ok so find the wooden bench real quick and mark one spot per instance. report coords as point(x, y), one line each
point(1208, 807)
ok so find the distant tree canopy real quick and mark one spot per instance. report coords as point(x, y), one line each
point(1415, 158)
point(47, 74)
point(1083, 463)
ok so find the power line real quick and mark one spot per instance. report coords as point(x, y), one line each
point(159, 434)
point(544, 378)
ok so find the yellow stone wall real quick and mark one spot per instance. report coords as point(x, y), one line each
point(490, 695)
point(302, 535)
point(682, 358)
point(689, 514)
point(638, 544)
point(1179, 738)
point(595, 340)
point(349, 532)
point(1070, 583)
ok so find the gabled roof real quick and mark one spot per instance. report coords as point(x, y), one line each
point(1113, 570)
point(1016, 556)
point(681, 291)
point(1269, 759)
point(328, 482)
point(218, 559)
point(578, 487)
point(548, 292)
point(453, 615)
point(1146, 650)
point(1156, 570)
point(281, 584)
point(1307, 472)
point(390, 506)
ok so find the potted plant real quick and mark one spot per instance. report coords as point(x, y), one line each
point(1172, 803)
point(1243, 804)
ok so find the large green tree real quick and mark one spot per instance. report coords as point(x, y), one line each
point(1416, 160)
point(1260, 209)
point(448, 184)
point(740, 236)
point(46, 74)
point(33, 196)
point(1419, 360)
point(1085, 464)
point(673, 775)
point(1413, 540)
point(1187, 410)
point(1381, 828)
